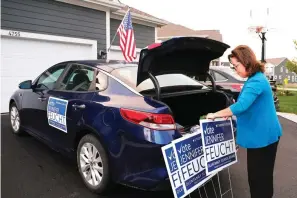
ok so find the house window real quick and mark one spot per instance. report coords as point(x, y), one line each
point(282, 69)
point(275, 77)
point(287, 71)
point(288, 77)
point(280, 77)
point(293, 78)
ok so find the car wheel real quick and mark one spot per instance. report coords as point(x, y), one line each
point(15, 119)
point(93, 164)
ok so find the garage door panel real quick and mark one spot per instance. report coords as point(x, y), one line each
point(24, 59)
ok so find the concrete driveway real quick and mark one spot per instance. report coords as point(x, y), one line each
point(30, 169)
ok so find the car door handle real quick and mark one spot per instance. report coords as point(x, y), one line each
point(42, 98)
point(76, 106)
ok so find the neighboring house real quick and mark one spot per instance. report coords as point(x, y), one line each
point(174, 30)
point(223, 63)
point(36, 34)
point(276, 67)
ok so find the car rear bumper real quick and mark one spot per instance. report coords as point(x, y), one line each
point(139, 164)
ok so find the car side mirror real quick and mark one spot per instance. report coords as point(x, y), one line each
point(26, 84)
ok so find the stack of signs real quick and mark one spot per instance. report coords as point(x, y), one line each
point(191, 160)
point(218, 144)
point(173, 171)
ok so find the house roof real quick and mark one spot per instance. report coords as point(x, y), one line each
point(138, 14)
point(172, 30)
point(212, 34)
point(134, 10)
point(224, 63)
point(275, 61)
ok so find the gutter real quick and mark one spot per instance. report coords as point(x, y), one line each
point(156, 21)
point(102, 5)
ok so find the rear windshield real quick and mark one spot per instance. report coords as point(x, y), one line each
point(129, 76)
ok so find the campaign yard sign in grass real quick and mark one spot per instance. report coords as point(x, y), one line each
point(173, 171)
point(218, 144)
point(190, 161)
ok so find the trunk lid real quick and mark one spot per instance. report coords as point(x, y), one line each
point(186, 55)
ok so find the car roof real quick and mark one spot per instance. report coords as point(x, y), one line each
point(221, 68)
point(227, 70)
point(106, 65)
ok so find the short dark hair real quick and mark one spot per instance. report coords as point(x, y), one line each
point(247, 58)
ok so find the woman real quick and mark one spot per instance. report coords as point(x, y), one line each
point(258, 127)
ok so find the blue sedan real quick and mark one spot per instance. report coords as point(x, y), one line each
point(114, 117)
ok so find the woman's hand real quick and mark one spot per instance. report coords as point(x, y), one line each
point(225, 113)
point(211, 116)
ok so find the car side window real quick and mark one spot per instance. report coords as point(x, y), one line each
point(219, 77)
point(48, 79)
point(101, 81)
point(78, 78)
point(203, 78)
point(83, 78)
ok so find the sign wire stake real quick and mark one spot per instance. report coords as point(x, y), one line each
point(205, 191)
point(214, 189)
point(230, 182)
point(219, 184)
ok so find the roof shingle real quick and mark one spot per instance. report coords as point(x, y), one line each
point(275, 61)
point(134, 10)
point(172, 30)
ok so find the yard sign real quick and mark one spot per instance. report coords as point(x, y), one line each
point(173, 171)
point(191, 162)
point(218, 144)
point(56, 113)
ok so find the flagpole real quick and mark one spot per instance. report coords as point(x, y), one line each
point(117, 29)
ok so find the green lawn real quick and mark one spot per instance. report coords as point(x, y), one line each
point(288, 104)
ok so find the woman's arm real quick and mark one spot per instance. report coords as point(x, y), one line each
point(225, 113)
point(252, 90)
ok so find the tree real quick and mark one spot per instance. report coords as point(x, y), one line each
point(292, 64)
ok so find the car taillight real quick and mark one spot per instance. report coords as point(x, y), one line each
point(154, 45)
point(237, 86)
point(149, 120)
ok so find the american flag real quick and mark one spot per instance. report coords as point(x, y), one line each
point(127, 41)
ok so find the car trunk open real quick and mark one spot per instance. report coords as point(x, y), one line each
point(190, 56)
point(186, 55)
point(188, 107)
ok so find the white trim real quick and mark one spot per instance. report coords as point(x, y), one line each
point(196, 35)
point(140, 18)
point(273, 71)
point(137, 21)
point(121, 82)
point(117, 48)
point(46, 37)
point(156, 34)
point(102, 5)
point(107, 32)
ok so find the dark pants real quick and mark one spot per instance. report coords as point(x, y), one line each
point(260, 164)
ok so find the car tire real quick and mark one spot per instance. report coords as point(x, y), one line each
point(90, 167)
point(15, 120)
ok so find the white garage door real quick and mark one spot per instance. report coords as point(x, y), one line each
point(25, 55)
